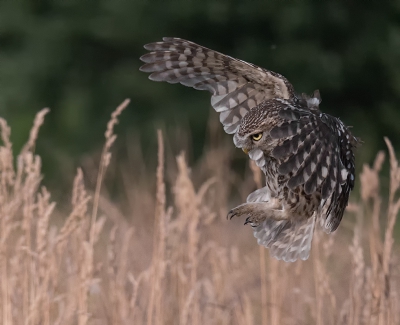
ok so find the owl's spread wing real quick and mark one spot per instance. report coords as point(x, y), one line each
point(316, 151)
point(236, 86)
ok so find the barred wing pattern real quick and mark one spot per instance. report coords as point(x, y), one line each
point(316, 152)
point(286, 239)
point(236, 86)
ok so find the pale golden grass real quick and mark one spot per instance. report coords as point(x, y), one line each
point(172, 258)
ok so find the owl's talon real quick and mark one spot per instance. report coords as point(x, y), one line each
point(231, 214)
point(253, 221)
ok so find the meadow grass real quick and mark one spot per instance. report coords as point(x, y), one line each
point(167, 255)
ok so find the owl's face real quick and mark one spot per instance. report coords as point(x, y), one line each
point(251, 140)
point(253, 132)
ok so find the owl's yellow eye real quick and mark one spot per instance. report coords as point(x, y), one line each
point(257, 136)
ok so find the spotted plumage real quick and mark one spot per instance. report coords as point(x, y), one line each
point(306, 155)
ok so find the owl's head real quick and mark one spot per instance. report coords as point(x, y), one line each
point(253, 132)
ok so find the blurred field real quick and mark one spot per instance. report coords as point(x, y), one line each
point(164, 253)
point(81, 57)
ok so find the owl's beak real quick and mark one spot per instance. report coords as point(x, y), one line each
point(245, 151)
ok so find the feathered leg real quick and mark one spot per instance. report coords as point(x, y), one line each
point(256, 212)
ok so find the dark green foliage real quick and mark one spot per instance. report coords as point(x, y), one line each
point(81, 59)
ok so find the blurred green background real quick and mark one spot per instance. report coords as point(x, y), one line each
point(81, 59)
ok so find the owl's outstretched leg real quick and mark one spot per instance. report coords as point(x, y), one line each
point(257, 212)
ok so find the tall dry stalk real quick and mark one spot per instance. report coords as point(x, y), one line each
point(77, 267)
point(7, 180)
point(370, 187)
point(257, 176)
point(386, 307)
point(155, 302)
point(188, 207)
point(105, 161)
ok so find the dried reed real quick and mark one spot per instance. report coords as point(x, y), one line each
point(187, 266)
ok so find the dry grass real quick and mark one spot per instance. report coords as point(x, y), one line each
point(174, 259)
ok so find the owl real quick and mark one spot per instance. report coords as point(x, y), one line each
point(306, 155)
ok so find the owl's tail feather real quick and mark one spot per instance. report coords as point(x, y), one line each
point(287, 240)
